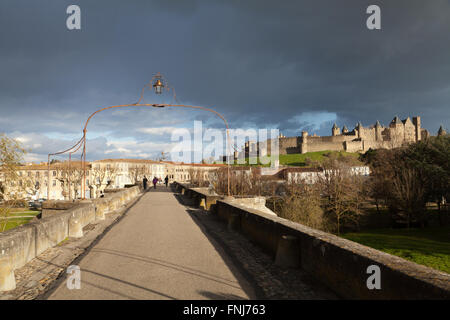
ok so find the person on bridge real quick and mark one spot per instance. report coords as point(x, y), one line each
point(155, 181)
point(144, 182)
point(166, 180)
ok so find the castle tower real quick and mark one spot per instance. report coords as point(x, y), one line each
point(395, 122)
point(304, 145)
point(344, 129)
point(441, 132)
point(358, 129)
point(416, 122)
point(335, 131)
point(378, 129)
point(409, 133)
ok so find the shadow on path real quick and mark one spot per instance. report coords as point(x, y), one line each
point(64, 277)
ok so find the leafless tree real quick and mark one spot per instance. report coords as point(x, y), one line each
point(343, 192)
point(303, 204)
point(137, 172)
point(70, 175)
point(11, 154)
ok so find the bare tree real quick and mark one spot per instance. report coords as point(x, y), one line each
point(111, 173)
point(70, 175)
point(137, 172)
point(303, 204)
point(409, 194)
point(197, 178)
point(98, 176)
point(30, 185)
point(343, 191)
point(11, 154)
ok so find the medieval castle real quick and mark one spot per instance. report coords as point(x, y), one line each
point(360, 139)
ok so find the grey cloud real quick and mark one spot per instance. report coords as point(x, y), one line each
point(260, 63)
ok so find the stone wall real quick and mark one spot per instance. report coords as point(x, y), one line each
point(339, 263)
point(289, 145)
point(22, 244)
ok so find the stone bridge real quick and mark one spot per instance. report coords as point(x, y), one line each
point(183, 243)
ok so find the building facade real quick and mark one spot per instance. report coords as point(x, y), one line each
point(31, 180)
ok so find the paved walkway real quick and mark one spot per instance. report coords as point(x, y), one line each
point(157, 252)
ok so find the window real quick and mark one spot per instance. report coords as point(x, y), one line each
point(54, 173)
point(54, 182)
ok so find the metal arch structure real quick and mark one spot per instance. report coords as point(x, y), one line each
point(155, 106)
point(82, 141)
point(71, 150)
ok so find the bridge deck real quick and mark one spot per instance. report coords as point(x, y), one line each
point(157, 252)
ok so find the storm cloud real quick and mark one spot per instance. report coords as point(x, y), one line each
point(291, 65)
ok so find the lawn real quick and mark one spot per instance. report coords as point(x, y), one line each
point(300, 159)
point(428, 246)
point(15, 222)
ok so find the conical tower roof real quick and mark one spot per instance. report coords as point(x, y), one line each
point(396, 120)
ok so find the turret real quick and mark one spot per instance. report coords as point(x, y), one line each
point(441, 132)
point(304, 144)
point(344, 129)
point(416, 122)
point(378, 129)
point(396, 121)
point(335, 131)
point(358, 129)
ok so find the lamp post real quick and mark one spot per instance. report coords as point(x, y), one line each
point(157, 84)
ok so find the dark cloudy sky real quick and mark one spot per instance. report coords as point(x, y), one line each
point(286, 64)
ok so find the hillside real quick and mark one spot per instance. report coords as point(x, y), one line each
point(307, 159)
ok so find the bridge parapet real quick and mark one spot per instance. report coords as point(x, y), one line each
point(20, 245)
point(339, 263)
point(201, 196)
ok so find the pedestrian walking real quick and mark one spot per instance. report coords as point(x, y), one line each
point(166, 180)
point(155, 181)
point(144, 182)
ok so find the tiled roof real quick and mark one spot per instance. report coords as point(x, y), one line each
point(128, 160)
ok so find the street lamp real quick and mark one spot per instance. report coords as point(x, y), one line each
point(158, 86)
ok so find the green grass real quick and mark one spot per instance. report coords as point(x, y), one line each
point(299, 159)
point(13, 223)
point(428, 246)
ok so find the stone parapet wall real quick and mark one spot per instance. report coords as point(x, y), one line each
point(22, 244)
point(339, 263)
